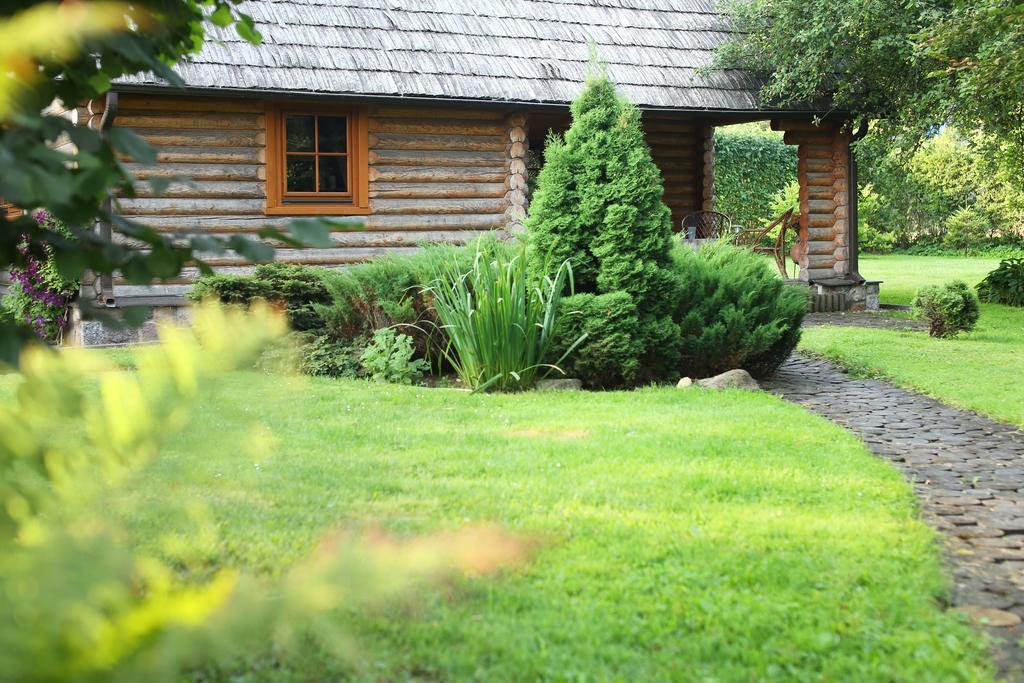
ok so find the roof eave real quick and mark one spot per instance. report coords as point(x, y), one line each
point(250, 93)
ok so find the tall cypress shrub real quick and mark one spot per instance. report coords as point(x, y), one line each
point(598, 203)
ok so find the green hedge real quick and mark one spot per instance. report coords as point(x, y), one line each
point(298, 288)
point(753, 166)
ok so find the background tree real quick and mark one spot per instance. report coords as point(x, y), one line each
point(916, 64)
point(599, 204)
point(71, 53)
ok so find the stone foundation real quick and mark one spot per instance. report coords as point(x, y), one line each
point(95, 333)
point(860, 296)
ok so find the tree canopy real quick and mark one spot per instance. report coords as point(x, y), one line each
point(917, 64)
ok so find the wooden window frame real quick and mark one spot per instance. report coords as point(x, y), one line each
point(355, 202)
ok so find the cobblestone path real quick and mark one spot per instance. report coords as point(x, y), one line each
point(878, 321)
point(967, 470)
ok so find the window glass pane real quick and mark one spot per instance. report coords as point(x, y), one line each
point(333, 131)
point(299, 174)
point(299, 133)
point(333, 174)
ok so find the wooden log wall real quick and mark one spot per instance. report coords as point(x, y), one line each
point(435, 175)
point(707, 168)
point(677, 147)
point(823, 155)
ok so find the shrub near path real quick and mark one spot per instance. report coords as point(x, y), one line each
point(981, 370)
point(681, 535)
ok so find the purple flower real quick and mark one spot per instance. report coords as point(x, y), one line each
point(48, 293)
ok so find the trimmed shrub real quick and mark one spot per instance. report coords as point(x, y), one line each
point(389, 358)
point(1005, 284)
point(967, 228)
point(598, 205)
point(949, 309)
point(734, 312)
point(298, 288)
point(609, 355)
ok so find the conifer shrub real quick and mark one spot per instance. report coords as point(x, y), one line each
point(967, 228)
point(950, 309)
point(598, 204)
point(609, 355)
point(734, 312)
point(297, 287)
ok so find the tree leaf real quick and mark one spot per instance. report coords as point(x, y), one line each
point(127, 142)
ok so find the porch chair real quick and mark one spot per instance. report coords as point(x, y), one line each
point(754, 239)
point(704, 225)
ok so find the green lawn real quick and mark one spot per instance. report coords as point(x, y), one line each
point(683, 535)
point(902, 275)
point(981, 371)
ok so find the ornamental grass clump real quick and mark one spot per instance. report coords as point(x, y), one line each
point(499, 324)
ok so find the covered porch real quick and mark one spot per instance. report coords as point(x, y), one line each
point(683, 147)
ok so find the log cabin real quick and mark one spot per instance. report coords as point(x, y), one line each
point(416, 121)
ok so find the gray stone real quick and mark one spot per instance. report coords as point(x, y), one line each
point(730, 379)
point(989, 616)
point(559, 385)
point(684, 383)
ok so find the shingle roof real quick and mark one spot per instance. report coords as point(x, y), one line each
point(499, 50)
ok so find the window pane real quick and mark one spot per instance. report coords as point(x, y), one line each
point(299, 133)
point(333, 174)
point(333, 132)
point(300, 174)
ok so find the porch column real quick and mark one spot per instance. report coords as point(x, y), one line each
point(823, 170)
point(516, 190)
point(707, 174)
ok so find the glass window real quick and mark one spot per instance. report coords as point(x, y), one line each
point(316, 154)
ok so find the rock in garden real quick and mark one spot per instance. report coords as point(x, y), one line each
point(684, 383)
point(988, 616)
point(559, 385)
point(731, 379)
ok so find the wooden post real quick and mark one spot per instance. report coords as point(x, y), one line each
point(823, 250)
point(515, 183)
point(708, 169)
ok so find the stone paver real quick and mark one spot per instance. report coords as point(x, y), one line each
point(968, 472)
point(878, 321)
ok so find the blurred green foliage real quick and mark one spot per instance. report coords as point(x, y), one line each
point(80, 604)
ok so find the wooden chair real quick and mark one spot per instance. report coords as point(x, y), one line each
point(706, 225)
point(755, 238)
